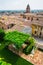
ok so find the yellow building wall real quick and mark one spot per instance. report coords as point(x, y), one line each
point(34, 28)
point(38, 30)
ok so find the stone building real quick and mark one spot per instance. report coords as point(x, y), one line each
point(37, 28)
point(5, 26)
point(32, 16)
point(2, 25)
point(6, 23)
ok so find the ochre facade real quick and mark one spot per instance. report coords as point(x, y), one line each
point(37, 30)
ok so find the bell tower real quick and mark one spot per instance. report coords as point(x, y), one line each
point(28, 9)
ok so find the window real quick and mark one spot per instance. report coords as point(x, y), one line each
point(40, 34)
point(31, 19)
point(35, 32)
point(37, 19)
point(28, 18)
point(41, 28)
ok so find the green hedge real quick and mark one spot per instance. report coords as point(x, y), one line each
point(4, 43)
point(17, 38)
point(29, 48)
point(4, 63)
point(2, 34)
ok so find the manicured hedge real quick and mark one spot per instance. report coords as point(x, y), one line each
point(4, 43)
point(17, 38)
point(2, 62)
point(29, 48)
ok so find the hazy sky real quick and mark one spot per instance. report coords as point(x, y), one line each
point(20, 4)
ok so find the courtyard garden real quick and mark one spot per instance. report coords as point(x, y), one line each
point(16, 38)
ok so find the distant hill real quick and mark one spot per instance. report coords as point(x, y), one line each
point(19, 11)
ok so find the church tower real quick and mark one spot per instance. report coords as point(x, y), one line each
point(28, 9)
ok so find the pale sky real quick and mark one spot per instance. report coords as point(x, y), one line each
point(20, 4)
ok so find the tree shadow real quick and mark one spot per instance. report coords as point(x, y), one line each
point(8, 56)
point(12, 58)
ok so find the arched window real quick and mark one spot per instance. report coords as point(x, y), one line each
point(28, 18)
point(31, 19)
point(35, 32)
point(41, 28)
point(37, 19)
point(40, 35)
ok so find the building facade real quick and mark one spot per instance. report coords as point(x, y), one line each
point(37, 29)
point(32, 16)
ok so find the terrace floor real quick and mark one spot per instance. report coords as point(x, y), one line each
point(39, 42)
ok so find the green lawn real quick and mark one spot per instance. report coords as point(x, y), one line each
point(12, 58)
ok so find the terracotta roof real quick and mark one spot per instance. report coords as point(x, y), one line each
point(16, 20)
point(33, 15)
point(39, 23)
point(6, 22)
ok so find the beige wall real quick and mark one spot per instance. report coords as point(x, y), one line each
point(3, 26)
point(34, 16)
